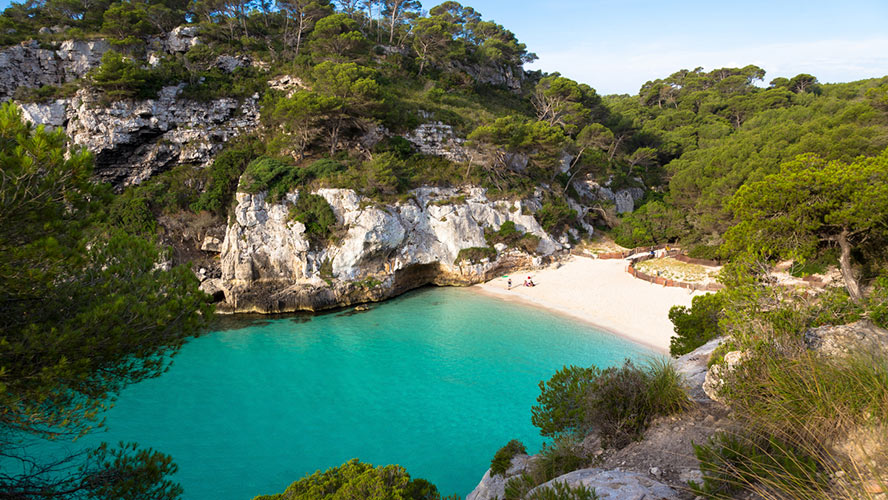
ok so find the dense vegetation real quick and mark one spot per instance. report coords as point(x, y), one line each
point(86, 311)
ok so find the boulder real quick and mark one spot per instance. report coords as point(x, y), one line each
point(493, 487)
point(614, 484)
point(715, 377)
point(860, 336)
point(182, 38)
point(211, 244)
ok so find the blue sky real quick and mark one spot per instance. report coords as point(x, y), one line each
point(617, 45)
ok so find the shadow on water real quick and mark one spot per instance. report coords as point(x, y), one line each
point(228, 322)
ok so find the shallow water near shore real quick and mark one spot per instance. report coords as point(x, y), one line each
point(436, 381)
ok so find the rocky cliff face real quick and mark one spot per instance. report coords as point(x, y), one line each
point(269, 265)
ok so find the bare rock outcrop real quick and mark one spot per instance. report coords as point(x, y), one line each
point(493, 486)
point(860, 337)
point(624, 198)
point(31, 65)
point(438, 139)
point(270, 265)
point(614, 484)
point(134, 139)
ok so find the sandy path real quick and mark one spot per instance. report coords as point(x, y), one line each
point(602, 293)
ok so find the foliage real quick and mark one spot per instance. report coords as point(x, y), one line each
point(555, 215)
point(91, 309)
point(563, 491)
point(653, 223)
point(316, 214)
point(475, 255)
point(812, 202)
point(224, 175)
point(561, 401)
point(877, 307)
point(563, 455)
point(618, 403)
point(509, 235)
point(502, 460)
point(696, 325)
point(279, 178)
point(355, 479)
point(119, 78)
point(731, 461)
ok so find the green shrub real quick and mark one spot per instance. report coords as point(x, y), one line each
point(877, 302)
point(696, 325)
point(562, 404)
point(119, 78)
point(356, 479)
point(617, 402)
point(563, 491)
point(555, 215)
point(502, 460)
point(223, 174)
point(563, 455)
point(733, 462)
point(316, 214)
point(475, 254)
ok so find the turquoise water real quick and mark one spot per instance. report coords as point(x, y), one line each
point(436, 381)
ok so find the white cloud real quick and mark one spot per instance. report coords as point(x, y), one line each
point(623, 69)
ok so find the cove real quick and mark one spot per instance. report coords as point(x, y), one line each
point(436, 381)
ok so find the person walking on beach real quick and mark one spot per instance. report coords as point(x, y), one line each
point(509, 284)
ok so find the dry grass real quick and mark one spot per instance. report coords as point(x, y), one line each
point(670, 268)
point(599, 244)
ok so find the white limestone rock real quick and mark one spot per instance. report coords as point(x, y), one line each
point(615, 485)
point(52, 114)
point(493, 487)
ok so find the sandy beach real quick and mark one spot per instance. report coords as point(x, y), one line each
point(599, 292)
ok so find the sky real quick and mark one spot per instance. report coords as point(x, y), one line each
point(617, 45)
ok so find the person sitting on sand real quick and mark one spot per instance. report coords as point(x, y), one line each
point(529, 282)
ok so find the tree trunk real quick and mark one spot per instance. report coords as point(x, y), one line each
point(847, 271)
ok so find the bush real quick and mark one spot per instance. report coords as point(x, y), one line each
point(695, 326)
point(618, 403)
point(475, 255)
point(223, 174)
point(877, 302)
point(316, 214)
point(555, 215)
point(733, 462)
point(502, 460)
point(119, 78)
point(561, 401)
point(556, 459)
point(563, 491)
point(356, 479)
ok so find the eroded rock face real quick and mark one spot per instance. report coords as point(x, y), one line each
point(438, 139)
point(493, 487)
point(717, 373)
point(614, 484)
point(270, 265)
point(694, 366)
point(30, 65)
point(624, 199)
point(135, 139)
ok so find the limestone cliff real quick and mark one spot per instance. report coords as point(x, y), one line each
point(269, 265)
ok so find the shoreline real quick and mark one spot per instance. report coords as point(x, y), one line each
point(601, 294)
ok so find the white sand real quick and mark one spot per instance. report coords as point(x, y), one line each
point(602, 293)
